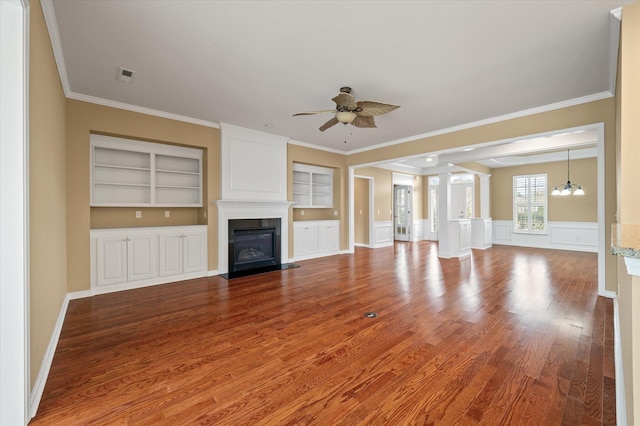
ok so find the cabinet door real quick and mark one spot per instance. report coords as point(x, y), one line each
point(194, 258)
point(171, 256)
point(141, 257)
point(111, 260)
point(328, 238)
point(305, 240)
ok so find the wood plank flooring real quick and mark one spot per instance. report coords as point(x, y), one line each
point(512, 336)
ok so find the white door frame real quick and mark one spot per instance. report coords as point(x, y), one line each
point(14, 220)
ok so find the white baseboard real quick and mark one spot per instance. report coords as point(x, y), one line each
point(45, 367)
point(621, 406)
point(79, 294)
point(361, 245)
point(212, 273)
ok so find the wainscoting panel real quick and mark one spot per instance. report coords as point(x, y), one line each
point(577, 236)
point(382, 233)
point(419, 226)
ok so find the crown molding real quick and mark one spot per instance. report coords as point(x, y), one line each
point(54, 34)
point(141, 110)
point(318, 147)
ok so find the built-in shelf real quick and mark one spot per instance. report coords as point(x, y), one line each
point(312, 186)
point(127, 172)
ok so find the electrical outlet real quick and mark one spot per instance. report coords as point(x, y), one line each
point(167, 213)
point(138, 214)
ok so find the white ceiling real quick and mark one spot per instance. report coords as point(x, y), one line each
point(251, 63)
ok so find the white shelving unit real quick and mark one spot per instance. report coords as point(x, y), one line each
point(312, 186)
point(128, 173)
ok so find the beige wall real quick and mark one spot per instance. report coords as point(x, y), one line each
point(83, 119)
point(47, 191)
point(361, 210)
point(570, 209)
point(382, 191)
point(315, 157)
point(629, 201)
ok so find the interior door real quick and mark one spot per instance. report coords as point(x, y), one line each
point(402, 205)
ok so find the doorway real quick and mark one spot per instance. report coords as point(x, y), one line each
point(402, 207)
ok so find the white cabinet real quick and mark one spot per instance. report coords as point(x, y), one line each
point(312, 186)
point(123, 258)
point(315, 238)
point(305, 239)
point(182, 252)
point(127, 172)
point(328, 236)
point(127, 258)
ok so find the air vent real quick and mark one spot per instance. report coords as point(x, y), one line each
point(125, 75)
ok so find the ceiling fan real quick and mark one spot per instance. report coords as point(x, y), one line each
point(350, 111)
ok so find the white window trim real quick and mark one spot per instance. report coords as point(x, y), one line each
point(545, 231)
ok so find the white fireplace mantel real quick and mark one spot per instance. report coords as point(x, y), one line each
point(241, 209)
point(253, 184)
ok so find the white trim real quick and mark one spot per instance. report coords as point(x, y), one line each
point(212, 273)
point(584, 236)
point(79, 294)
point(318, 147)
point(602, 241)
point(47, 360)
point(56, 44)
point(518, 114)
point(615, 16)
point(14, 212)
point(141, 110)
point(621, 406)
point(382, 234)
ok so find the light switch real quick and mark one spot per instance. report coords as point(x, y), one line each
point(335, 212)
point(167, 213)
point(301, 212)
point(138, 214)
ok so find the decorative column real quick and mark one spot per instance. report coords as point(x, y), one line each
point(485, 196)
point(444, 208)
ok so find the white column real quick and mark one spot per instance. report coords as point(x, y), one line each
point(444, 207)
point(485, 196)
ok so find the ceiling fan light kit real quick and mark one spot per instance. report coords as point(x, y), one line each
point(567, 187)
point(350, 111)
point(346, 117)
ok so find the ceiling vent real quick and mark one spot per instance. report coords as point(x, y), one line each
point(125, 75)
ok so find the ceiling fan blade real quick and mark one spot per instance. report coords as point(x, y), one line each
point(364, 121)
point(370, 108)
point(328, 124)
point(314, 112)
point(345, 100)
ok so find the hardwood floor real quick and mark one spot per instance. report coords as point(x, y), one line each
point(506, 336)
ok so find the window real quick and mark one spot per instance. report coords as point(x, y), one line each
point(530, 203)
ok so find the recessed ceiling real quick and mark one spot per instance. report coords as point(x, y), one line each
point(447, 63)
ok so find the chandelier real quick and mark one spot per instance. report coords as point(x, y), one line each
point(566, 189)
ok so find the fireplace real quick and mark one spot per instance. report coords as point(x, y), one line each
point(254, 246)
